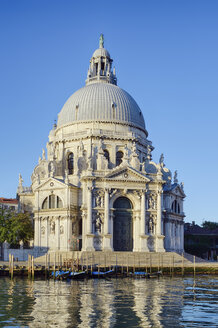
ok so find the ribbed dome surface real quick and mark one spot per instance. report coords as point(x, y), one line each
point(101, 102)
point(101, 52)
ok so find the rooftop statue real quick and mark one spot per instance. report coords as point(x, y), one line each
point(101, 41)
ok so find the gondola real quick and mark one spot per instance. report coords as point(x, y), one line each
point(102, 274)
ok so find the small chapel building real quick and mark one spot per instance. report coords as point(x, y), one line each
point(98, 188)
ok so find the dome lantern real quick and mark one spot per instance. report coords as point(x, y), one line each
point(100, 68)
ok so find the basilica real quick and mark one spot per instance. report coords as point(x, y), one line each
point(97, 188)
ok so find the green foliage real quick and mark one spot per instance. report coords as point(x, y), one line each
point(15, 227)
point(210, 225)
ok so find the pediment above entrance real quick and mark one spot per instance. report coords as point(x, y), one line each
point(126, 174)
point(53, 183)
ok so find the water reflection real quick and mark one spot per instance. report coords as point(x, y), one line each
point(168, 302)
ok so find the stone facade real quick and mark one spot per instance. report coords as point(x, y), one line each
point(98, 188)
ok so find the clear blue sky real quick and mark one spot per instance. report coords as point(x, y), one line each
point(166, 57)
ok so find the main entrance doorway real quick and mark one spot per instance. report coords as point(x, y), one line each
point(123, 225)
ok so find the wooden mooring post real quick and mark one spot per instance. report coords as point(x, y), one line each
point(32, 262)
point(182, 264)
point(194, 265)
point(150, 263)
point(11, 265)
point(54, 264)
point(46, 263)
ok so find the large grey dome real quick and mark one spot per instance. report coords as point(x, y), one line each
point(101, 102)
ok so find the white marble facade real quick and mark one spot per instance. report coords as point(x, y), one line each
point(98, 188)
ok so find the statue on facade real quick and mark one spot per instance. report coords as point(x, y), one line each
point(20, 181)
point(152, 202)
point(98, 223)
point(98, 201)
point(81, 148)
point(161, 160)
point(66, 180)
point(148, 153)
point(43, 154)
point(61, 230)
point(150, 226)
point(52, 169)
point(52, 226)
point(175, 178)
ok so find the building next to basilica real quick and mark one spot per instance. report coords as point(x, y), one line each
point(98, 188)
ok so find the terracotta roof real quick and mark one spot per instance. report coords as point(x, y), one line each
point(12, 201)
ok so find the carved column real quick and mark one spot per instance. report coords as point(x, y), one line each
point(106, 211)
point(36, 232)
point(144, 237)
point(89, 235)
point(89, 210)
point(143, 220)
point(158, 227)
point(46, 232)
point(84, 231)
point(57, 232)
point(39, 222)
point(107, 228)
point(159, 236)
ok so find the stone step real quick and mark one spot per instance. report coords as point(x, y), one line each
point(136, 259)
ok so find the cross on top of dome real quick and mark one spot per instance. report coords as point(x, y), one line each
point(100, 68)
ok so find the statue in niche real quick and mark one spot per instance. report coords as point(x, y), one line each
point(98, 201)
point(150, 226)
point(73, 228)
point(152, 202)
point(98, 223)
point(42, 230)
point(52, 226)
point(61, 229)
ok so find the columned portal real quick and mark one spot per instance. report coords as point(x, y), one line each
point(123, 225)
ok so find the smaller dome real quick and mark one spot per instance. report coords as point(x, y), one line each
point(101, 52)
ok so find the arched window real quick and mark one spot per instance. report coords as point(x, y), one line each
point(45, 203)
point(59, 202)
point(70, 163)
point(106, 155)
point(119, 156)
point(52, 201)
point(175, 207)
point(178, 208)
